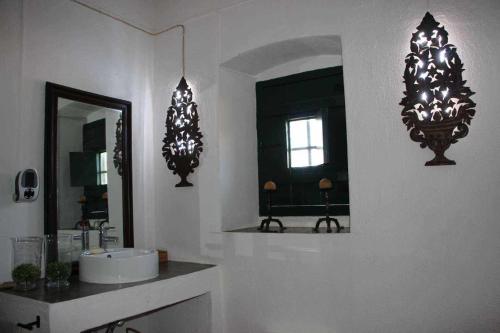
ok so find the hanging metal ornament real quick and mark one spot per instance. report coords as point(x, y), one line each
point(118, 150)
point(182, 143)
point(437, 105)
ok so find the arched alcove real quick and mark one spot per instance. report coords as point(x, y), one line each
point(261, 59)
point(238, 165)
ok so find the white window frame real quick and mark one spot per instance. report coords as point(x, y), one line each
point(309, 147)
point(102, 171)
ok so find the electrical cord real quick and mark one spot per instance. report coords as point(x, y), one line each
point(97, 10)
point(131, 330)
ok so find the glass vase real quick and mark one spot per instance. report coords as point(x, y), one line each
point(27, 254)
point(58, 251)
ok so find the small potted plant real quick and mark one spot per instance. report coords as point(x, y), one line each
point(58, 274)
point(25, 276)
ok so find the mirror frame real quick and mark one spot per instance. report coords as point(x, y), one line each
point(52, 93)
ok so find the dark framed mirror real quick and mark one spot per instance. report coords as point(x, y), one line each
point(88, 167)
point(302, 138)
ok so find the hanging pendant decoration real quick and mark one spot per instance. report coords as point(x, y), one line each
point(118, 150)
point(182, 142)
point(437, 105)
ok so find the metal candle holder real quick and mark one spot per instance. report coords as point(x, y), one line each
point(325, 185)
point(270, 187)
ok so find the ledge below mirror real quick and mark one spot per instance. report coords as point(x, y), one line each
point(292, 230)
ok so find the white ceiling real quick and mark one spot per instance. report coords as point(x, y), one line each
point(157, 15)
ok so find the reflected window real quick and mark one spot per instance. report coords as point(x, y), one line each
point(301, 131)
point(102, 168)
point(305, 142)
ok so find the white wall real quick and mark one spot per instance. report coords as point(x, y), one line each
point(422, 255)
point(138, 12)
point(13, 217)
point(62, 42)
point(238, 175)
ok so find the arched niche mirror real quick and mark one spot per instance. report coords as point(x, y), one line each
point(88, 178)
point(283, 118)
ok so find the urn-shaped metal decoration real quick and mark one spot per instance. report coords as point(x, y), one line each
point(182, 142)
point(437, 105)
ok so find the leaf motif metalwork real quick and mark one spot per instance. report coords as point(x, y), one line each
point(182, 144)
point(437, 107)
point(118, 150)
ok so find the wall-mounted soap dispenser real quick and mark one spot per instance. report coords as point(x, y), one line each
point(27, 185)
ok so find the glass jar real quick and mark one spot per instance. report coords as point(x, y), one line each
point(58, 254)
point(27, 254)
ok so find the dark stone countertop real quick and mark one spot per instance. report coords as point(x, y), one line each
point(78, 289)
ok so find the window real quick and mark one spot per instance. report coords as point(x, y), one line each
point(102, 168)
point(301, 133)
point(305, 142)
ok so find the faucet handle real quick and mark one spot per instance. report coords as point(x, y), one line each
point(103, 227)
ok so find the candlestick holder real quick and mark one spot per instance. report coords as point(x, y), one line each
point(325, 185)
point(270, 187)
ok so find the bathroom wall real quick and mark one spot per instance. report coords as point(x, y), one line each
point(422, 253)
point(62, 42)
point(15, 219)
point(138, 12)
point(238, 149)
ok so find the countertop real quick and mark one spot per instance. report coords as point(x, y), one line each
point(78, 289)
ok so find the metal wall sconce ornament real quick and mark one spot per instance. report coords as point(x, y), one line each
point(325, 185)
point(117, 151)
point(182, 144)
point(437, 105)
point(270, 187)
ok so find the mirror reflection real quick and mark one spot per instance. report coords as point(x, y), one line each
point(302, 138)
point(89, 172)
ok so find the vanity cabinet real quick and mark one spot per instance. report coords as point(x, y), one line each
point(84, 306)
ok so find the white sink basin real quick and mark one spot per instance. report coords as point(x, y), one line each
point(119, 266)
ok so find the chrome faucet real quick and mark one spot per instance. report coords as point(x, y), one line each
point(104, 239)
point(84, 236)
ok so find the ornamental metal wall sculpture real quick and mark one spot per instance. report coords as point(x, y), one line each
point(182, 142)
point(118, 150)
point(437, 105)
